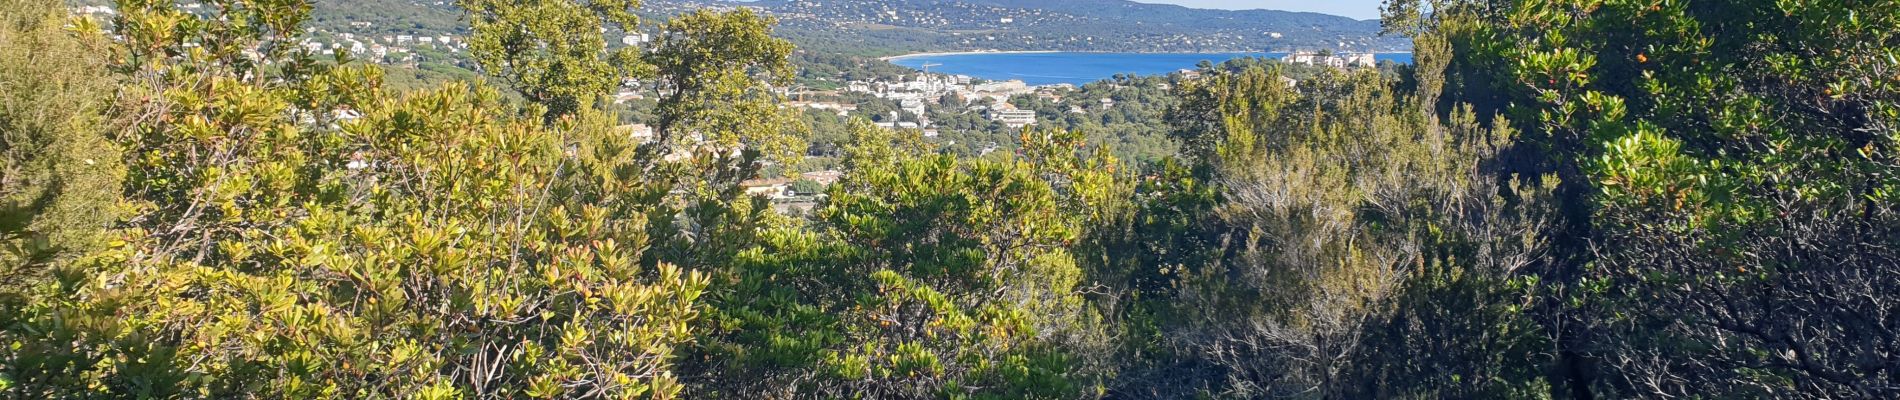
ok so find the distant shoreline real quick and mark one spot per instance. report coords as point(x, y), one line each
point(963, 53)
point(1078, 68)
point(983, 52)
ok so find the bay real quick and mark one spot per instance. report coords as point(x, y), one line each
point(1048, 68)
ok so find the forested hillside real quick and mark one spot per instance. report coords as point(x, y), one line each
point(895, 26)
point(1570, 199)
point(388, 17)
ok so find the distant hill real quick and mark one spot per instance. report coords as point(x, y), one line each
point(384, 17)
point(887, 27)
point(874, 26)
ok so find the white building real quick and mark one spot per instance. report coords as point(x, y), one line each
point(1341, 60)
point(638, 132)
point(101, 10)
point(1361, 60)
point(1300, 58)
point(1010, 86)
point(635, 39)
point(1014, 118)
point(769, 188)
point(913, 106)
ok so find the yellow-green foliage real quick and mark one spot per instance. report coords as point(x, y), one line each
point(716, 126)
point(298, 233)
point(551, 50)
point(59, 173)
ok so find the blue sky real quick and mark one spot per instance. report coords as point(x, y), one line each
point(1360, 9)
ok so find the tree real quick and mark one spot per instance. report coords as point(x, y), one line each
point(807, 187)
point(1557, 199)
point(58, 170)
point(926, 277)
point(714, 70)
point(1337, 211)
point(295, 231)
point(715, 125)
point(1727, 181)
point(552, 50)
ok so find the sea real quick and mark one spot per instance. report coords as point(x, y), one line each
point(1078, 68)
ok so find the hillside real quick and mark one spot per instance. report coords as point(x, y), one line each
point(387, 17)
point(1072, 25)
point(885, 27)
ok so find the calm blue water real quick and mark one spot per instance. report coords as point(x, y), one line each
point(1079, 68)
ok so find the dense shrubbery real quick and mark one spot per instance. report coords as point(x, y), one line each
point(291, 230)
point(1729, 186)
point(924, 276)
point(1560, 199)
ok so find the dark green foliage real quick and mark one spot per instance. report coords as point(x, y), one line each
point(388, 17)
point(1130, 125)
point(1331, 211)
point(925, 276)
point(1727, 186)
point(807, 187)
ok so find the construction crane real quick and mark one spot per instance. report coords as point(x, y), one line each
point(926, 67)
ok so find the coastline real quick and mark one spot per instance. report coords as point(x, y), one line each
point(977, 52)
point(960, 53)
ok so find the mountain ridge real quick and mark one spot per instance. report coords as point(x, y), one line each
point(899, 26)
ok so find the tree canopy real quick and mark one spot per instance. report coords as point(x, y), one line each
point(1556, 199)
